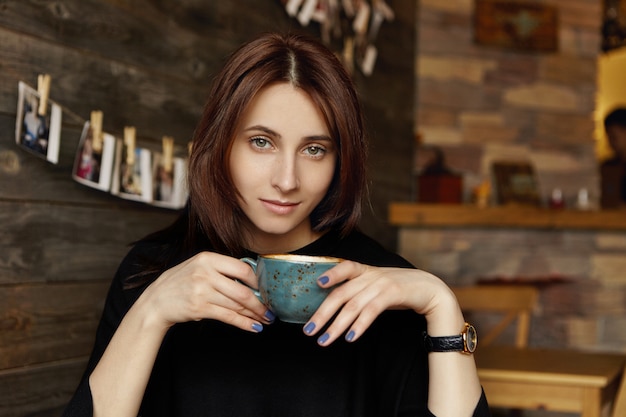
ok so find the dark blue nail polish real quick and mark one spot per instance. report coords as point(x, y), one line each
point(310, 326)
point(350, 336)
point(323, 338)
point(257, 327)
point(323, 280)
point(269, 315)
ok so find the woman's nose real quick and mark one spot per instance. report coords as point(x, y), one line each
point(285, 174)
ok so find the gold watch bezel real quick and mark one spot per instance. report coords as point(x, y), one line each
point(470, 338)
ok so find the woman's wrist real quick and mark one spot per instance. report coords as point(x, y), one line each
point(147, 315)
point(445, 318)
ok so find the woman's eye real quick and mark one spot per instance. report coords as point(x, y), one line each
point(315, 150)
point(260, 142)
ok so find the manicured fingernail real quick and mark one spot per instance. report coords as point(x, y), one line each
point(323, 338)
point(350, 336)
point(323, 280)
point(269, 315)
point(310, 326)
point(257, 327)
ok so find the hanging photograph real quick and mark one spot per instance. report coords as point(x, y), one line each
point(169, 182)
point(93, 164)
point(132, 173)
point(38, 124)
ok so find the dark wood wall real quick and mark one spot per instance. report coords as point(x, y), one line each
point(145, 63)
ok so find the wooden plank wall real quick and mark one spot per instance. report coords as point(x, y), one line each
point(147, 64)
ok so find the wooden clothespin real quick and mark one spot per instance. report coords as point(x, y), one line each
point(383, 8)
point(369, 59)
point(348, 7)
point(348, 54)
point(306, 13)
point(331, 27)
point(168, 153)
point(96, 130)
point(380, 11)
point(292, 7)
point(361, 19)
point(43, 88)
point(129, 141)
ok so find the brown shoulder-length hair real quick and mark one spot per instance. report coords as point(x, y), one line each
point(274, 58)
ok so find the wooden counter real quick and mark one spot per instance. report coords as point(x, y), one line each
point(549, 379)
point(451, 215)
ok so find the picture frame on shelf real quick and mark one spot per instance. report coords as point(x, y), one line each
point(527, 26)
point(515, 182)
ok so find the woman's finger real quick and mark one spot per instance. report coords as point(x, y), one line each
point(364, 295)
point(340, 273)
point(243, 296)
point(357, 314)
point(187, 291)
point(234, 318)
point(345, 289)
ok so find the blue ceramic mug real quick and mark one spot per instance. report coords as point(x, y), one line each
point(288, 284)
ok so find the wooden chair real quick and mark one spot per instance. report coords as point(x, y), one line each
point(619, 406)
point(512, 302)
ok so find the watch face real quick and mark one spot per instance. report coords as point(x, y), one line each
point(471, 339)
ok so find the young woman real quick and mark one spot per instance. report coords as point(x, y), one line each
point(277, 165)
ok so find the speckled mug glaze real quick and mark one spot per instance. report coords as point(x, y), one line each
point(288, 284)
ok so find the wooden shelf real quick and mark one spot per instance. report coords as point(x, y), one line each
point(451, 215)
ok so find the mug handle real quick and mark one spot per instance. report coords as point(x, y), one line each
point(252, 263)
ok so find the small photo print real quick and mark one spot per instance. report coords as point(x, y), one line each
point(92, 166)
point(132, 175)
point(37, 133)
point(169, 186)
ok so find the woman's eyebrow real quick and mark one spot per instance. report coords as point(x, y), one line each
point(263, 129)
point(318, 138)
point(272, 133)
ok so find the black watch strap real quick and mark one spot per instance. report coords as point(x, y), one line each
point(443, 343)
point(464, 342)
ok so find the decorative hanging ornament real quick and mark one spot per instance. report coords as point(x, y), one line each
point(348, 26)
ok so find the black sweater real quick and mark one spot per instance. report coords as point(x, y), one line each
point(208, 368)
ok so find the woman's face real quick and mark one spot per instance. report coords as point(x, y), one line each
point(282, 162)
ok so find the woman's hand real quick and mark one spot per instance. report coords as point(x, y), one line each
point(205, 287)
point(202, 287)
point(367, 291)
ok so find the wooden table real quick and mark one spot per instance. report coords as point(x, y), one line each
point(549, 379)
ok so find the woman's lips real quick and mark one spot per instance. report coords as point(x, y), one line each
point(279, 207)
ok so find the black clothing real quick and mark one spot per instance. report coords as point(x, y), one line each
point(613, 183)
point(208, 368)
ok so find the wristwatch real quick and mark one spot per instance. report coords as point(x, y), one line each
point(466, 342)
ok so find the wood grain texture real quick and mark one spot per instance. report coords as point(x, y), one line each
point(549, 379)
point(39, 390)
point(48, 322)
point(53, 242)
point(513, 216)
point(183, 40)
point(127, 95)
